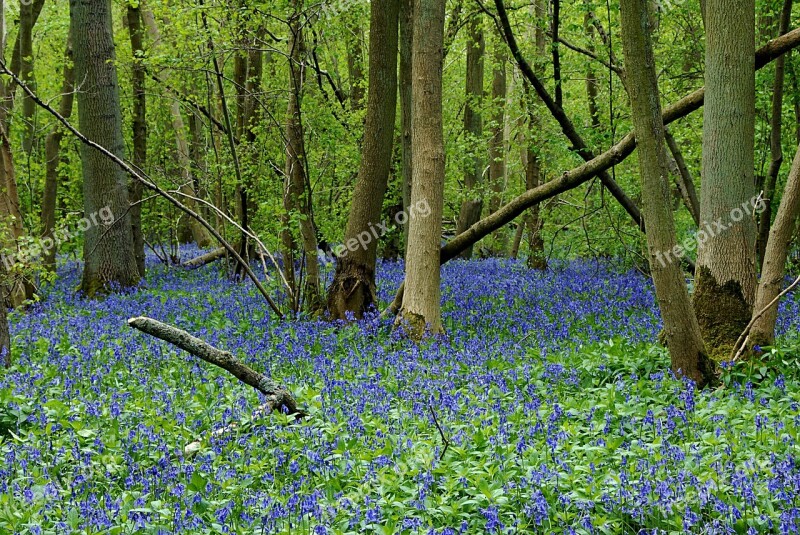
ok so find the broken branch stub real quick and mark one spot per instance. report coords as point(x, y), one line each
point(278, 398)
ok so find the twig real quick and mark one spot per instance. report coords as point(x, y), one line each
point(741, 343)
point(441, 433)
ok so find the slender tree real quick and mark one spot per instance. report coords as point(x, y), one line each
point(297, 193)
point(53, 157)
point(681, 328)
point(776, 138)
point(421, 307)
point(139, 127)
point(353, 288)
point(726, 259)
point(109, 257)
point(472, 206)
point(775, 254)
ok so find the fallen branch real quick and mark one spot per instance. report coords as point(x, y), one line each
point(205, 259)
point(278, 398)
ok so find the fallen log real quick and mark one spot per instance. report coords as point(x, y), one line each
point(278, 398)
point(205, 259)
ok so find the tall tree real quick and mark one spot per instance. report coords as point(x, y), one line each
point(681, 328)
point(421, 307)
point(353, 288)
point(297, 191)
point(472, 206)
point(726, 260)
point(497, 146)
point(775, 139)
point(53, 158)
point(775, 254)
point(139, 126)
point(109, 257)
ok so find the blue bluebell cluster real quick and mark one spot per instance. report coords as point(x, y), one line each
point(547, 407)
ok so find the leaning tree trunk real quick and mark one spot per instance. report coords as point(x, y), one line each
point(775, 254)
point(776, 148)
point(109, 256)
point(681, 328)
point(52, 149)
point(472, 205)
point(421, 308)
point(139, 126)
point(353, 288)
point(726, 260)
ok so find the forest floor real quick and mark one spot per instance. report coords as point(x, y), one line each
point(549, 407)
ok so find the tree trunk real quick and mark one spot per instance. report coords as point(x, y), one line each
point(776, 149)
point(353, 288)
point(297, 195)
point(109, 257)
point(776, 252)
point(406, 40)
point(473, 128)
point(497, 149)
point(682, 330)
point(139, 130)
point(726, 260)
point(421, 308)
point(53, 159)
point(26, 22)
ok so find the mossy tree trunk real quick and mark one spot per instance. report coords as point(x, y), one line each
point(726, 258)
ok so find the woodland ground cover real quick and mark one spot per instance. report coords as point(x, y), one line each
point(557, 406)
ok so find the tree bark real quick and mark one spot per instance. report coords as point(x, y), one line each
point(109, 258)
point(353, 287)
point(406, 40)
point(776, 149)
point(726, 261)
point(775, 254)
point(472, 205)
point(421, 308)
point(139, 125)
point(685, 343)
